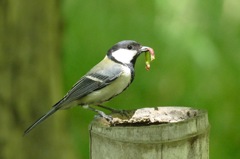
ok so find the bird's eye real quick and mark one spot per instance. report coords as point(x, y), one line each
point(130, 47)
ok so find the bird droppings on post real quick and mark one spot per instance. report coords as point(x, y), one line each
point(150, 116)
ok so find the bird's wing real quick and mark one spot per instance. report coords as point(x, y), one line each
point(89, 83)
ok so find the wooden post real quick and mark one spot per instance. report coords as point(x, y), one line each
point(152, 133)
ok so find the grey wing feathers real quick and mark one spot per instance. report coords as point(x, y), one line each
point(83, 87)
point(98, 77)
point(86, 85)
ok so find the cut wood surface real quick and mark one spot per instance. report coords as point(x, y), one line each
point(158, 133)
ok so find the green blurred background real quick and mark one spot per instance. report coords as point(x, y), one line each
point(197, 47)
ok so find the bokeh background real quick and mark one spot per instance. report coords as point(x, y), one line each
point(47, 46)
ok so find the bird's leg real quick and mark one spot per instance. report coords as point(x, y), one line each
point(108, 108)
point(122, 112)
point(101, 113)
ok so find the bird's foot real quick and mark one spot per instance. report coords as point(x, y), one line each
point(100, 113)
point(119, 111)
point(105, 116)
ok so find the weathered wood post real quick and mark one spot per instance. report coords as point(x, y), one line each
point(152, 133)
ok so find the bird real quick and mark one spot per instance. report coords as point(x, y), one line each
point(104, 81)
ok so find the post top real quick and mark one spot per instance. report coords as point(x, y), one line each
point(158, 124)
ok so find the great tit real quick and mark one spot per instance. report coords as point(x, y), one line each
point(104, 81)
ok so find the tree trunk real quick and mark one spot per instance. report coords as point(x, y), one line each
point(30, 80)
point(156, 133)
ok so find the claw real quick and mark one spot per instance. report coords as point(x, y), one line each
point(122, 112)
point(105, 116)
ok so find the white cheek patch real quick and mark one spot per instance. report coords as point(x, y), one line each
point(124, 55)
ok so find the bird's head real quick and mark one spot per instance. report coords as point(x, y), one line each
point(127, 51)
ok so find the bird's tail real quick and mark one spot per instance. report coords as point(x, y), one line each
point(50, 112)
